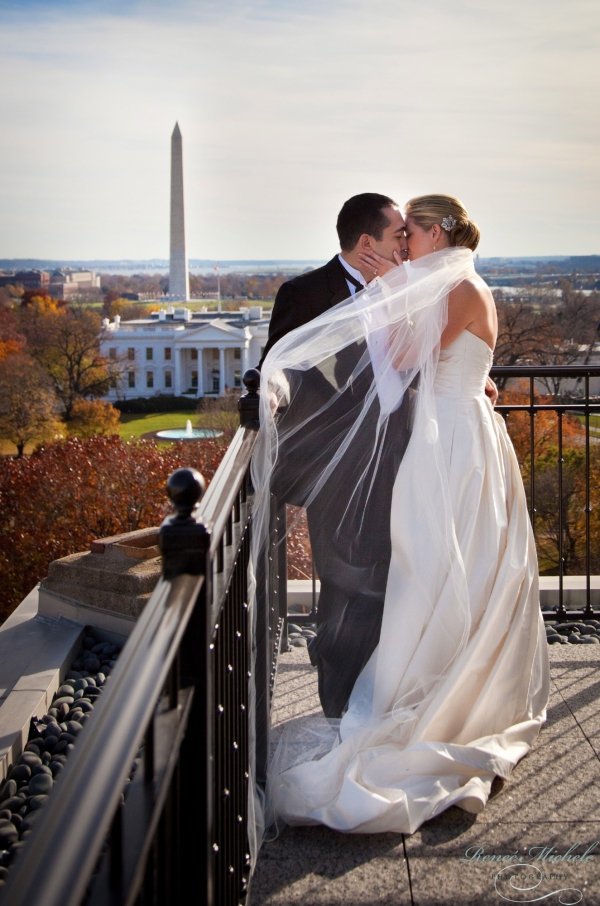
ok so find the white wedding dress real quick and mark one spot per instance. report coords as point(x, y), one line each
point(456, 691)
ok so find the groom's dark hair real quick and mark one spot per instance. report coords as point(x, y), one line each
point(362, 214)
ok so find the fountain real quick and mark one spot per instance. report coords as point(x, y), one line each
point(189, 433)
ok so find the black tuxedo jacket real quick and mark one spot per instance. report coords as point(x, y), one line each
point(304, 297)
point(298, 301)
point(352, 560)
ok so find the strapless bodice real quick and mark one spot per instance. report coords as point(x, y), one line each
point(463, 367)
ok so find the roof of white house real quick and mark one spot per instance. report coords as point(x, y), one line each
point(183, 319)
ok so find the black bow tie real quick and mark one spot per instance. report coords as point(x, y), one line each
point(352, 280)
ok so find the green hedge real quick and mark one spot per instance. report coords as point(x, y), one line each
point(160, 403)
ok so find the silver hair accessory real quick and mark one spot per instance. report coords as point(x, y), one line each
point(448, 222)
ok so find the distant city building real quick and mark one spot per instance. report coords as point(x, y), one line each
point(69, 284)
point(179, 352)
point(32, 279)
point(62, 284)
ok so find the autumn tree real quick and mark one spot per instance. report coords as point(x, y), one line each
point(65, 340)
point(547, 329)
point(299, 553)
point(222, 414)
point(58, 500)
point(28, 405)
point(11, 339)
point(578, 315)
point(91, 417)
point(574, 325)
point(38, 301)
point(560, 511)
point(9, 294)
point(523, 334)
point(128, 310)
point(545, 425)
point(555, 457)
point(116, 284)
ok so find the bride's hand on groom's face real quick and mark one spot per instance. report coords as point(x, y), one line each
point(378, 266)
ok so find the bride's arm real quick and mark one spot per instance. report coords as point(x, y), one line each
point(403, 355)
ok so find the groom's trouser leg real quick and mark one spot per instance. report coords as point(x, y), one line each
point(352, 558)
point(350, 604)
point(347, 634)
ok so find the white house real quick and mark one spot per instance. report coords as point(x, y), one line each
point(181, 352)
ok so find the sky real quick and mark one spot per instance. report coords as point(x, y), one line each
point(287, 108)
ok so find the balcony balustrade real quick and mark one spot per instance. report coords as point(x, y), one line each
point(179, 708)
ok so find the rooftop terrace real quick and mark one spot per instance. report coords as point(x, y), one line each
point(179, 696)
point(547, 814)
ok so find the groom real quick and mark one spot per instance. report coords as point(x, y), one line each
point(352, 575)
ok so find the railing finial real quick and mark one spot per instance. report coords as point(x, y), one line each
point(185, 487)
point(182, 540)
point(248, 404)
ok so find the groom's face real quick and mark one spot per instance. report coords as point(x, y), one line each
point(392, 238)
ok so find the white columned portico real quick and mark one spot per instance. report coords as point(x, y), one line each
point(244, 358)
point(221, 371)
point(200, 372)
point(178, 381)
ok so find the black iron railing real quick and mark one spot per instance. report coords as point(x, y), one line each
point(177, 709)
point(566, 550)
point(562, 479)
point(153, 800)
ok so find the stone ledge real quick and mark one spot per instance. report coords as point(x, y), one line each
point(33, 651)
point(574, 590)
point(106, 588)
point(117, 575)
point(37, 646)
point(142, 544)
point(53, 605)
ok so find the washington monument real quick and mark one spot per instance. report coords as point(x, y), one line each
point(179, 287)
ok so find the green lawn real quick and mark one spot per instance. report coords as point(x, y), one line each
point(132, 427)
point(135, 426)
point(594, 424)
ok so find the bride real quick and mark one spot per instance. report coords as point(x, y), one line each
point(456, 690)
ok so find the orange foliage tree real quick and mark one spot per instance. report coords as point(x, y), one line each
point(65, 495)
point(556, 459)
point(545, 426)
point(298, 544)
point(65, 341)
point(560, 511)
point(28, 406)
point(11, 340)
point(91, 417)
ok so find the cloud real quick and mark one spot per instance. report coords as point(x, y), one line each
point(285, 110)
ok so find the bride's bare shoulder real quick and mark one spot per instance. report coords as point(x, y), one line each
point(472, 291)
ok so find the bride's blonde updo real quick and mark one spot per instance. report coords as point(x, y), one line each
point(449, 212)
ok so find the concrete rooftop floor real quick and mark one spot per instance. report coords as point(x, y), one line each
point(551, 802)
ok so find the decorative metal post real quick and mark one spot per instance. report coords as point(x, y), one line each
point(185, 546)
point(182, 540)
point(248, 405)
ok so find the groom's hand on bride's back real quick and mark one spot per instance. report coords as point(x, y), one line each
point(491, 391)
